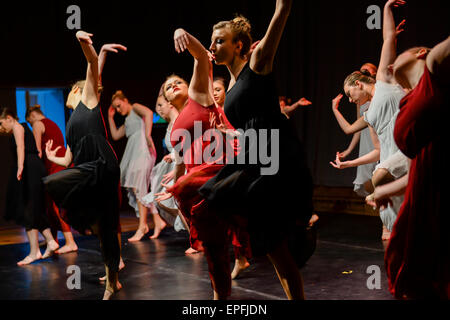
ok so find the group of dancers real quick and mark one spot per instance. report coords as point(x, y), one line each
point(219, 201)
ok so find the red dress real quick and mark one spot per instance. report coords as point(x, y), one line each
point(417, 258)
point(203, 160)
point(52, 132)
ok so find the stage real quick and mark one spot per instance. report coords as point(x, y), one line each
point(159, 270)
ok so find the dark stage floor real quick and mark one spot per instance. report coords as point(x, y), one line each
point(159, 269)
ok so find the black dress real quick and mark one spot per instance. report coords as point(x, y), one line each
point(276, 206)
point(89, 191)
point(25, 199)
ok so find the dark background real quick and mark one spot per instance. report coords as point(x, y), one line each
point(322, 43)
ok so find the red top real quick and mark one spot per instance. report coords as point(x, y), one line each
point(190, 130)
point(417, 257)
point(52, 132)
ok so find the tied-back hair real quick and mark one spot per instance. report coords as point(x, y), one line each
point(358, 76)
point(4, 112)
point(118, 95)
point(223, 80)
point(30, 109)
point(241, 29)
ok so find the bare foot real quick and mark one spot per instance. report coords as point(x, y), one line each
point(191, 251)
point(29, 259)
point(52, 246)
point(386, 235)
point(139, 234)
point(121, 266)
point(239, 265)
point(67, 248)
point(158, 228)
point(111, 290)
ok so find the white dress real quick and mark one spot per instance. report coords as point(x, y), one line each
point(381, 116)
point(137, 161)
point(158, 172)
point(364, 172)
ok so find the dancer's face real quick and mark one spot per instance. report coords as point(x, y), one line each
point(6, 124)
point(219, 92)
point(74, 97)
point(355, 93)
point(222, 46)
point(121, 106)
point(162, 108)
point(404, 63)
point(176, 90)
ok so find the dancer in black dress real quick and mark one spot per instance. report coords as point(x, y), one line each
point(90, 189)
point(25, 198)
point(241, 189)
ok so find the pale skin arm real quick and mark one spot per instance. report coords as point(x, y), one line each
point(147, 115)
point(89, 97)
point(287, 110)
point(19, 137)
point(261, 60)
point(199, 87)
point(388, 50)
point(116, 133)
point(354, 142)
point(38, 131)
point(438, 59)
point(110, 47)
point(370, 157)
point(380, 198)
point(348, 128)
point(51, 155)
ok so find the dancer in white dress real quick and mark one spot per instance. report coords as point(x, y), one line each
point(386, 95)
point(162, 176)
point(139, 156)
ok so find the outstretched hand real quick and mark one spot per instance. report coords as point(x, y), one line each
point(218, 124)
point(48, 150)
point(338, 164)
point(84, 37)
point(181, 40)
point(375, 201)
point(304, 102)
point(395, 3)
point(113, 47)
point(399, 28)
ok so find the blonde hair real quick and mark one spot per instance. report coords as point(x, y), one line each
point(358, 76)
point(8, 112)
point(241, 29)
point(118, 95)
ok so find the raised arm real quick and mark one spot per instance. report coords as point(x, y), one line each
point(147, 115)
point(261, 60)
point(388, 51)
point(199, 88)
point(38, 131)
point(438, 60)
point(19, 137)
point(348, 128)
point(90, 91)
point(116, 133)
point(110, 47)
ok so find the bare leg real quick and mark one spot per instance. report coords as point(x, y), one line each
point(52, 245)
point(288, 272)
point(69, 246)
point(35, 253)
point(382, 176)
point(143, 227)
point(160, 224)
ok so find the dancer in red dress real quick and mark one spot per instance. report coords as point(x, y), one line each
point(44, 130)
point(418, 255)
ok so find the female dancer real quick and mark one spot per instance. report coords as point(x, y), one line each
point(89, 190)
point(386, 95)
point(25, 198)
point(44, 130)
point(362, 184)
point(252, 103)
point(417, 257)
point(163, 173)
point(138, 158)
point(219, 90)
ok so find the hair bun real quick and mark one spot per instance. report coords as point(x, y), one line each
point(241, 23)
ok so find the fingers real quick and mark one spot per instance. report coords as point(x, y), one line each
point(181, 41)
